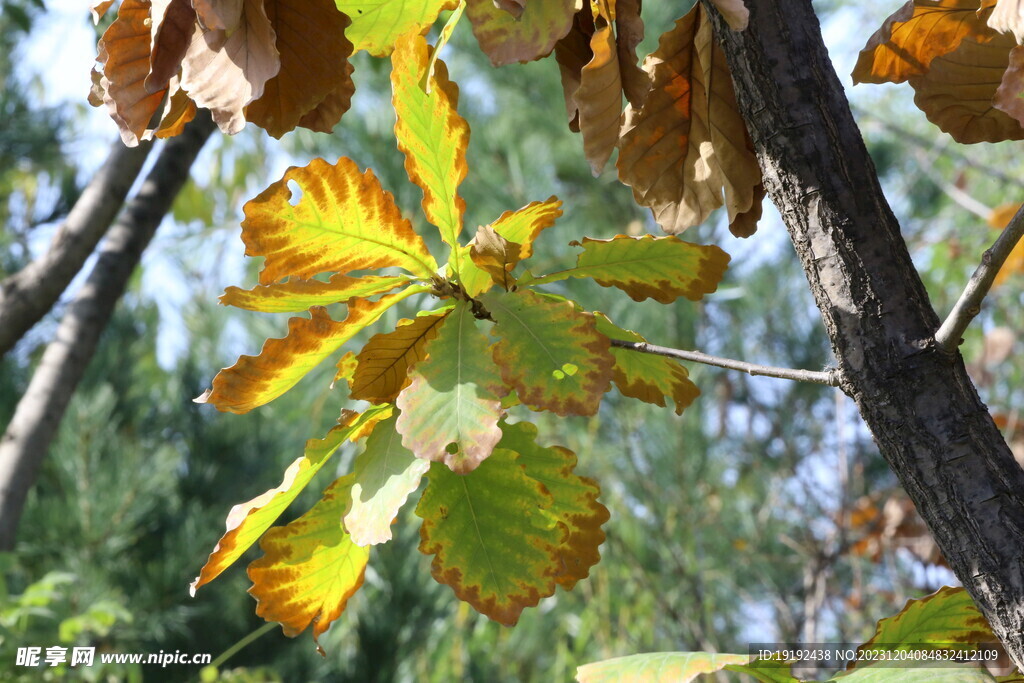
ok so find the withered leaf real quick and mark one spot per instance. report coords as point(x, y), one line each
point(224, 71)
point(314, 66)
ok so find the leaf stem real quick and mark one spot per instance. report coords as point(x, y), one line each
point(830, 377)
point(949, 335)
point(241, 644)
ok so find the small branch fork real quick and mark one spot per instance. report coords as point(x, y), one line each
point(829, 378)
point(950, 333)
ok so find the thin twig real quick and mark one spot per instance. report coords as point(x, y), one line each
point(829, 378)
point(951, 331)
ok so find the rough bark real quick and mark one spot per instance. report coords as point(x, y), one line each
point(39, 412)
point(917, 399)
point(27, 295)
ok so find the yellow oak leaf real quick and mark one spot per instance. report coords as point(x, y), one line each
point(255, 380)
point(343, 221)
point(431, 134)
point(310, 568)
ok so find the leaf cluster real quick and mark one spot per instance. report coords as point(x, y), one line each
point(506, 519)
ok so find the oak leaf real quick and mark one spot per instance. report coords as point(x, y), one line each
point(377, 24)
point(688, 143)
point(171, 26)
point(956, 94)
point(383, 476)
point(660, 268)
point(657, 667)
point(219, 14)
point(300, 295)
point(489, 537)
point(914, 35)
point(451, 408)
point(644, 376)
point(344, 221)
point(1009, 96)
point(549, 352)
point(178, 111)
point(495, 255)
point(520, 227)
point(948, 616)
point(325, 116)
point(255, 380)
point(314, 55)
point(575, 508)
point(310, 567)
point(599, 99)
point(224, 71)
point(507, 39)
point(1006, 17)
point(629, 31)
point(98, 8)
point(247, 521)
point(431, 134)
point(382, 367)
point(124, 52)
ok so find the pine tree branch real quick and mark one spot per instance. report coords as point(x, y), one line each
point(38, 414)
point(950, 334)
point(27, 295)
point(830, 378)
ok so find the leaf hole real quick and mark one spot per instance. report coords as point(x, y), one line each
point(570, 369)
point(452, 448)
point(558, 374)
point(296, 192)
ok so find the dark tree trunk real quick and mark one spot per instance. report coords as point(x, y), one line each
point(26, 296)
point(39, 412)
point(918, 401)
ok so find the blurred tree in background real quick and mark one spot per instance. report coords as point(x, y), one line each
point(761, 514)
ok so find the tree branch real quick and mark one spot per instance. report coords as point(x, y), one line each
point(39, 412)
point(916, 398)
point(949, 336)
point(27, 295)
point(830, 378)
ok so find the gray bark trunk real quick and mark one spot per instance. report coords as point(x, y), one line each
point(918, 401)
point(39, 412)
point(27, 295)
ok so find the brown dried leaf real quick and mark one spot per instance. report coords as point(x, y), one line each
point(687, 144)
point(494, 254)
point(178, 110)
point(1007, 17)
point(224, 15)
point(745, 224)
point(599, 99)
point(382, 367)
point(629, 31)
point(957, 92)
point(172, 24)
point(573, 53)
point(916, 34)
point(506, 39)
point(325, 116)
point(98, 8)
point(1008, 97)
point(124, 53)
point(225, 71)
point(314, 64)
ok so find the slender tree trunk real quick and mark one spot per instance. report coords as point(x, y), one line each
point(39, 412)
point(27, 295)
point(917, 400)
